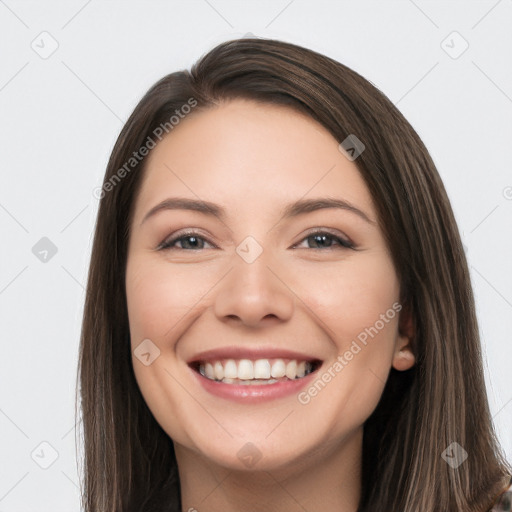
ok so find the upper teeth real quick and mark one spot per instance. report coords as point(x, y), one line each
point(245, 369)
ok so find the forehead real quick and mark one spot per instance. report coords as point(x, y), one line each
point(252, 156)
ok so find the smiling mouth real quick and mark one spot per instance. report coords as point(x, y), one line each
point(255, 372)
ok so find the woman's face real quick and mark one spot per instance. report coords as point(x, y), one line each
point(265, 282)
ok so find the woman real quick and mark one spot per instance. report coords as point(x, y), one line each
point(279, 313)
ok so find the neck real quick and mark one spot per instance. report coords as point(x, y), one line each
point(326, 479)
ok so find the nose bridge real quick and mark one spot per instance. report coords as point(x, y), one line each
point(251, 290)
point(251, 270)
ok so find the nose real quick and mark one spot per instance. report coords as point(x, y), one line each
point(254, 295)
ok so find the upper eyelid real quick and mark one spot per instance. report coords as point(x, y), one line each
point(178, 236)
point(327, 231)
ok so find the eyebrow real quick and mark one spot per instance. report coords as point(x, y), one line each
point(292, 210)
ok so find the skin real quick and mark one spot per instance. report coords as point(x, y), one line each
point(253, 159)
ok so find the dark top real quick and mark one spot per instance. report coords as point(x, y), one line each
point(504, 502)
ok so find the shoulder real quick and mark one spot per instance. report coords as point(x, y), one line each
point(504, 502)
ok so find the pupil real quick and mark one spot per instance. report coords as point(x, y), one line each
point(194, 241)
point(321, 239)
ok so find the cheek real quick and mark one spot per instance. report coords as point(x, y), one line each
point(353, 296)
point(158, 299)
point(158, 296)
point(359, 304)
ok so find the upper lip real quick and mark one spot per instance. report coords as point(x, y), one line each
point(254, 353)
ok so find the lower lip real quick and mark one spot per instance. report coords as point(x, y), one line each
point(253, 392)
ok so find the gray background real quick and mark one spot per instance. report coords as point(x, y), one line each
point(61, 114)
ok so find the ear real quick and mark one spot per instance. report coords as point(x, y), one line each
point(404, 358)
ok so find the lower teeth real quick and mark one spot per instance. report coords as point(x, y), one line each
point(252, 382)
point(248, 382)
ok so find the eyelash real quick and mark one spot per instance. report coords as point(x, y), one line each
point(168, 244)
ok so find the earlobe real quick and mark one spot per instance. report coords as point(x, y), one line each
point(404, 357)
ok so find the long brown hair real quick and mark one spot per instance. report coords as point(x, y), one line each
point(129, 461)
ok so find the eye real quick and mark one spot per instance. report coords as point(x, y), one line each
point(194, 241)
point(189, 241)
point(324, 240)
